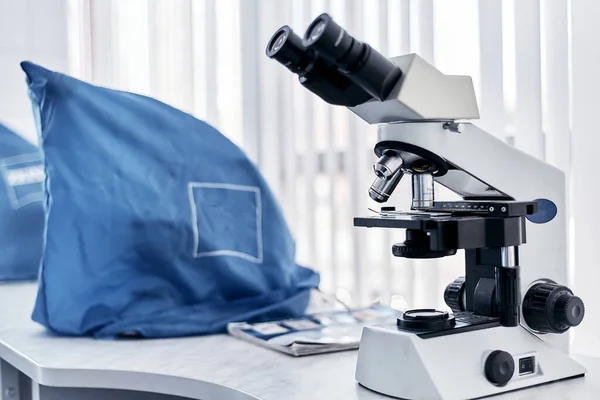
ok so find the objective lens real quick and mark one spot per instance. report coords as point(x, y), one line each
point(387, 165)
point(364, 66)
point(381, 189)
point(287, 48)
point(423, 191)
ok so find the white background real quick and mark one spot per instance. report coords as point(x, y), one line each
point(535, 65)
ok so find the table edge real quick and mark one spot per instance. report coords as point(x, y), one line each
point(120, 379)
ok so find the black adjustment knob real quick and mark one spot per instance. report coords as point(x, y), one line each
point(552, 308)
point(569, 310)
point(453, 295)
point(499, 367)
point(417, 245)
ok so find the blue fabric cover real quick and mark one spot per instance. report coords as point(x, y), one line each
point(21, 208)
point(157, 224)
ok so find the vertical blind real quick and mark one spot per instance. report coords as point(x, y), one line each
point(207, 57)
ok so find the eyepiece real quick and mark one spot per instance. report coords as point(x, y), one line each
point(278, 41)
point(316, 29)
point(364, 66)
point(287, 48)
point(333, 43)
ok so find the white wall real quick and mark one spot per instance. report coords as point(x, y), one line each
point(34, 30)
point(585, 103)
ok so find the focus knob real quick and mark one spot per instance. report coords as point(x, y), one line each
point(551, 308)
point(499, 367)
point(453, 295)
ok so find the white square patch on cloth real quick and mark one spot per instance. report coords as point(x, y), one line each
point(226, 220)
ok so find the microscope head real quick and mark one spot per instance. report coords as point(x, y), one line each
point(423, 93)
point(345, 71)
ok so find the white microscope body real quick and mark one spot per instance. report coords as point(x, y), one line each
point(401, 363)
point(511, 312)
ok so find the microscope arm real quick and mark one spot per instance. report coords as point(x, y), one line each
point(510, 171)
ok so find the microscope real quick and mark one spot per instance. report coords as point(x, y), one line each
point(511, 311)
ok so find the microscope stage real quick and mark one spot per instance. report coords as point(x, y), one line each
point(447, 231)
point(411, 220)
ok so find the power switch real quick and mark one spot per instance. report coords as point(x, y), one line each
point(526, 365)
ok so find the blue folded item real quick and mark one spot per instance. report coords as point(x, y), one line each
point(157, 225)
point(21, 207)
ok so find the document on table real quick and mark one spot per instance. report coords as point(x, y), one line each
point(319, 333)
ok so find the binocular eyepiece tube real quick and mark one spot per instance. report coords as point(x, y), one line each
point(315, 74)
point(360, 62)
point(334, 65)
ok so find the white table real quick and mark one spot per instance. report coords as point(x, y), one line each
point(36, 365)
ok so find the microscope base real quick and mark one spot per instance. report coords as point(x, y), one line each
point(401, 364)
